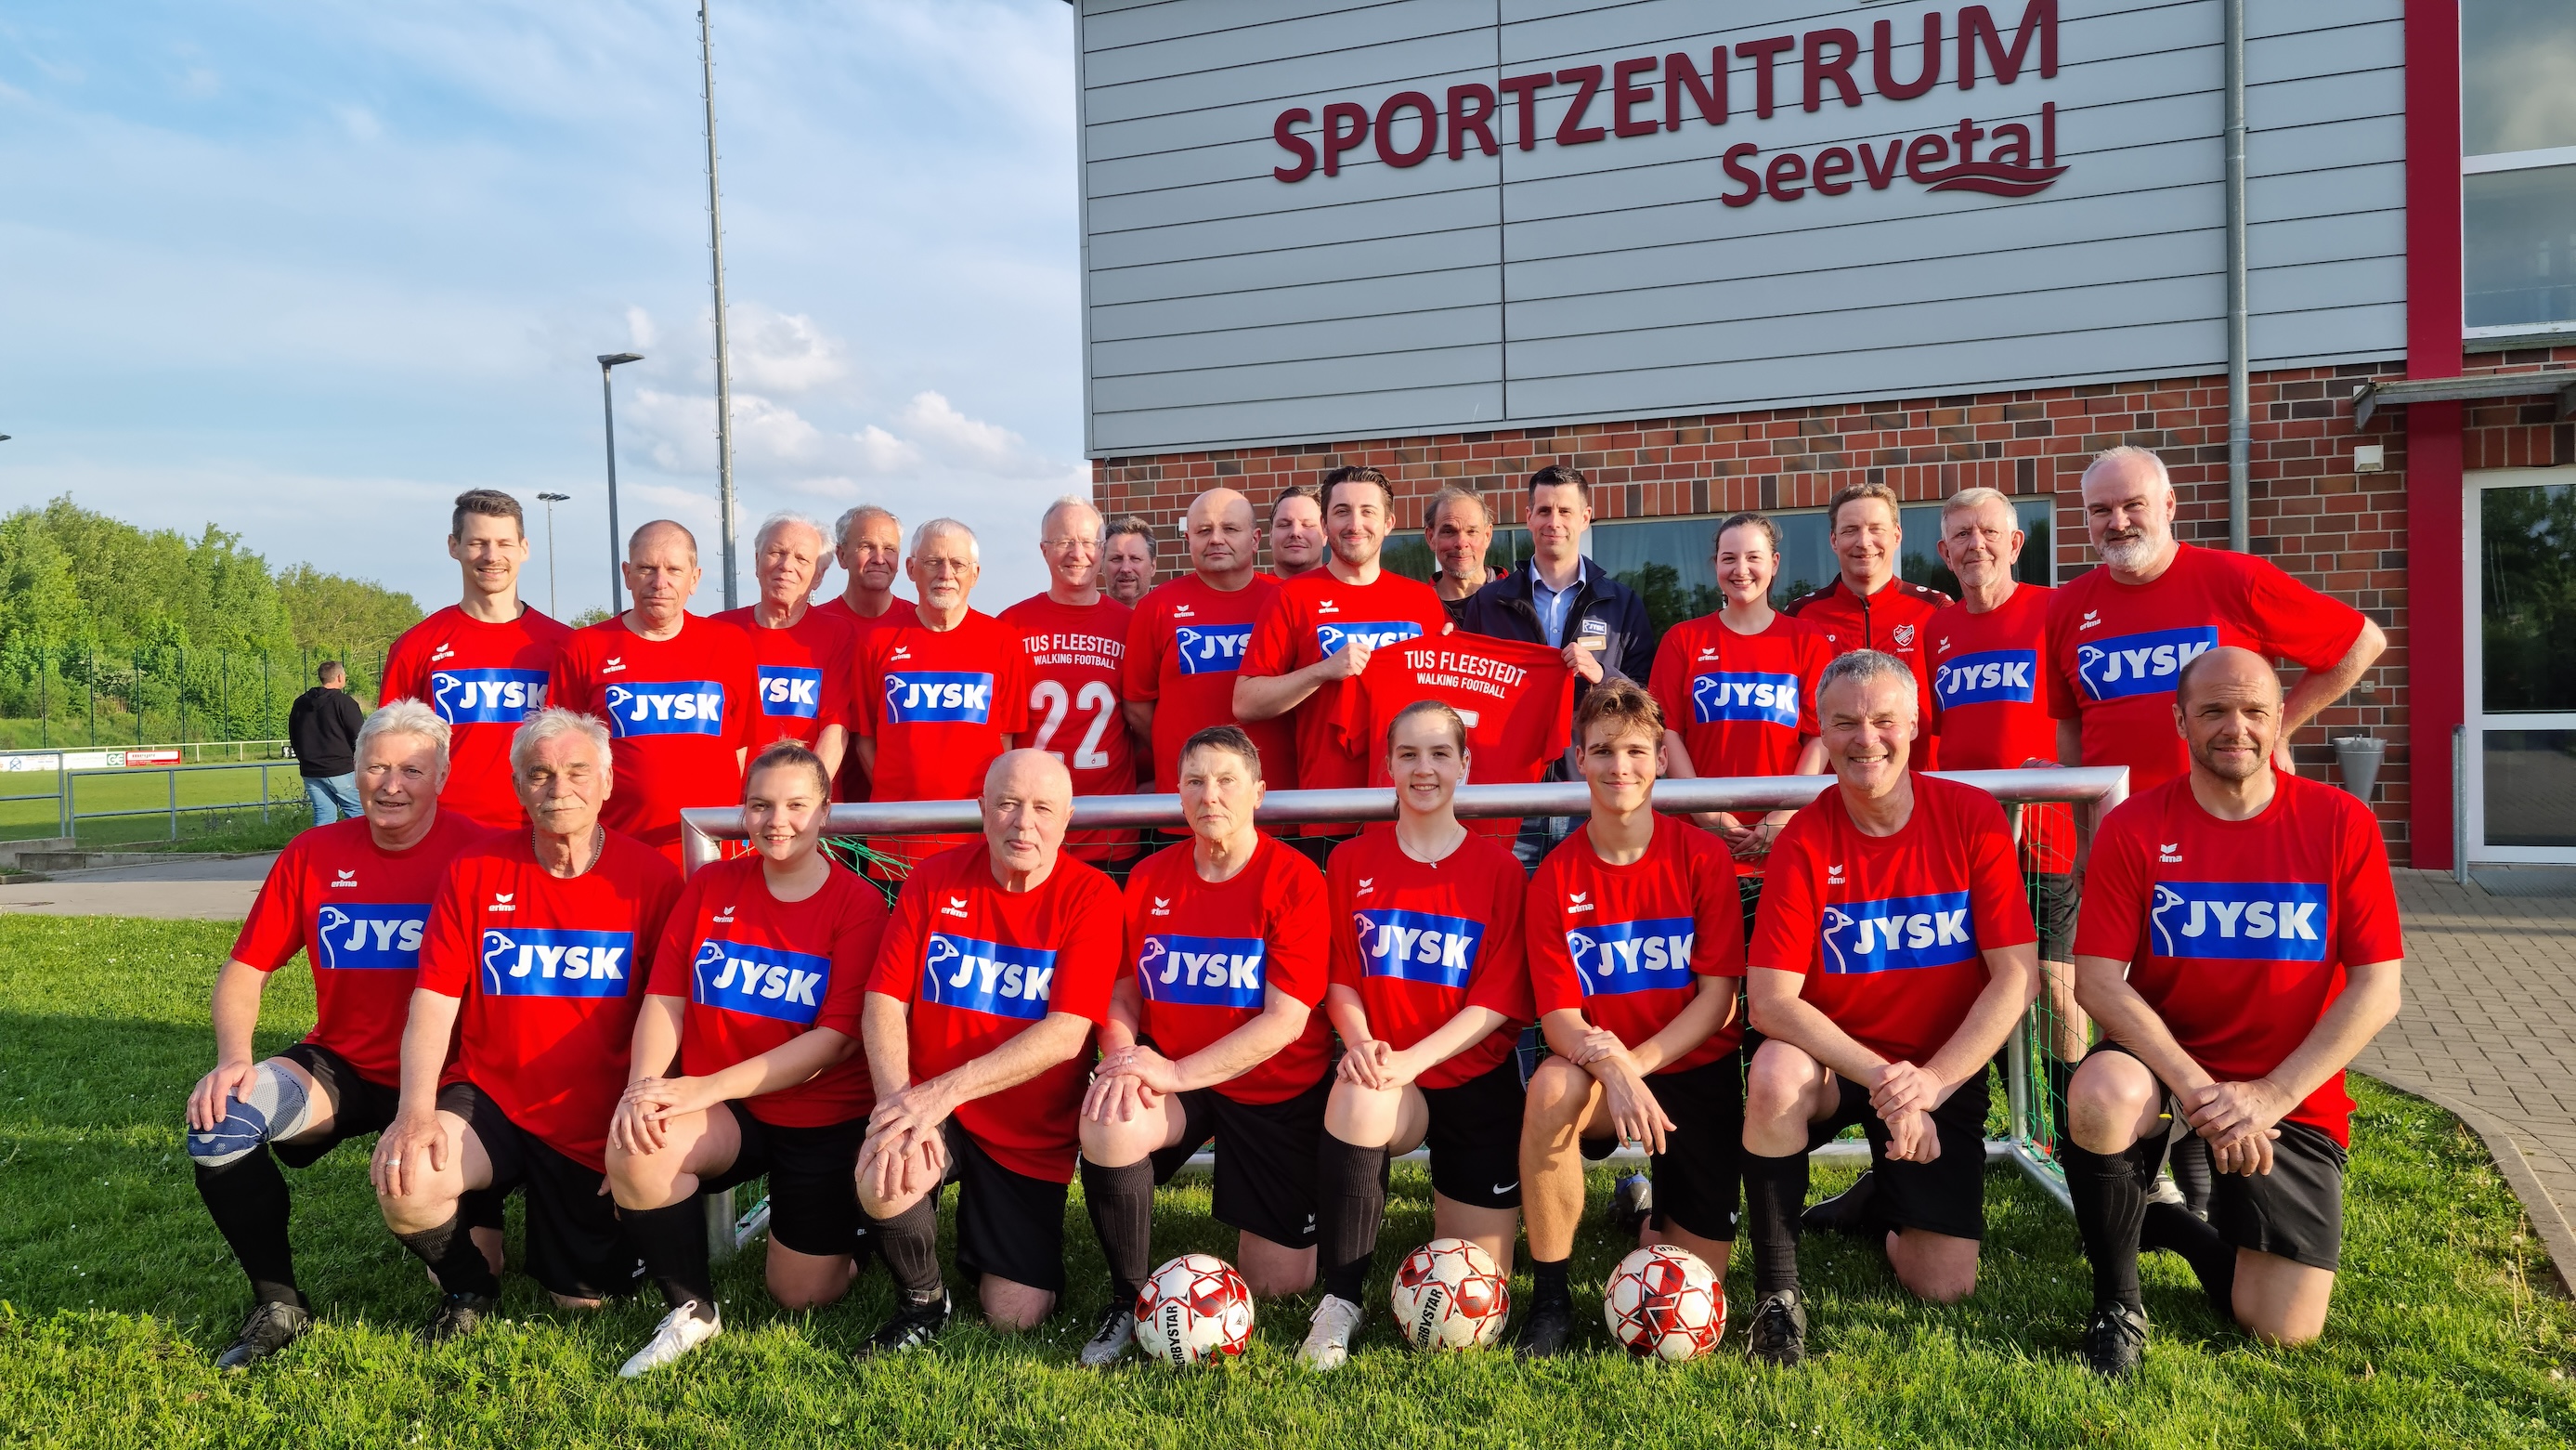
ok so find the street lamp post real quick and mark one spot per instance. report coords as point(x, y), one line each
point(616, 544)
point(553, 606)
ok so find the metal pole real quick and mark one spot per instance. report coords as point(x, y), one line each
point(89, 662)
point(173, 777)
point(616, 541)
point(724, 372)
point(2239, 390)
point(263, 792)
point(2460, 804)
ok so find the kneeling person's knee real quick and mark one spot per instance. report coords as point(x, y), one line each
point(278, 1109)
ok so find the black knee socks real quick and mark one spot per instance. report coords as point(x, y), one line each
point(672, 1242)
point(1547, 1281)
point(1121, 1202)
point(2193, 1172)
point(2170, 1226)
point(2109, 1195)
point(1350, 1195)
point(1775, 1193)
point(248, 1202)
point(451, 1255)
point(910, 1243)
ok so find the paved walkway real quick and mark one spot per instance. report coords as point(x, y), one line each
point(183, 888)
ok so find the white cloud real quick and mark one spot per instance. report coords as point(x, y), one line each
point(641, 335)
point(782, 350)
point(987, 447)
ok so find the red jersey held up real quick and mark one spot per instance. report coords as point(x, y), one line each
point(1993, 711)
point(482, 679)
point(757, 973)
point(852, 783)
point(1517, 700)
point(1076, 658)
point(1184, 647)
point(804, 673)
point(551, 973)
point(1204, 955)
point(1891, 932)
point(680, 714)
point(1627, 945)
point(979, 965)
point(1892, 622)
point(357, 912)
point(2239, 933)
point(1422, 941)
point(2115, 651)
point(1312, 617)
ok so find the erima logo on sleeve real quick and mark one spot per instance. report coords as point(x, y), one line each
point(763, 981)
point(789, 690)
point(1745, 696)
point(1376, 634)
point(1415, 946)
point(487, 697)
point(987, 977)
point(2261, 921)
point(1211, 649)
point(2140, 664)
point(1649, 955)
point(666, 707)
point(552, 962)
point(1988, 677)
point(1202, 971)
point(921, 697)
point(370, 938)
point(1898, 934)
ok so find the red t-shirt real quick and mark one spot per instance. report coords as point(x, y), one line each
point(1422, 941)
point(679, 714)
point(758, 972)
point(356, 911)
point(551, 973)
point(1076, 660)
point(482, 679)
point(1891, 932)
point(804, 673)
point(2238, 933)
point(978, 966)
point(1313, 616)
point(2116, 650)
point(1891, 622)
point(1204, 954)
point(1517, 700)
point(1993, 716)
point(1626, 945)
point(852, 784)
point(1744, 704)
point(1184, 648)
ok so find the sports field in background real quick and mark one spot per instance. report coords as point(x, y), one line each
point(115, 1293)
point(210, 801)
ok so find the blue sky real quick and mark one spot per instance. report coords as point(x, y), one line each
point(307, 269)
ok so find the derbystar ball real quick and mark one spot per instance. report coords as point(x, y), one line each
point(1449, 1295)
point(1194, 1308)
point(1665, 1303)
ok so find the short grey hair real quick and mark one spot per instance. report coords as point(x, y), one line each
point(1866, 667)
point(1132, 524)
point(786, 519)
point(550, 722)
point(405, 717)
point(1069, 501)
point(2132, 453)
point(850, 519)
point(1973, 498)
point(1441, 501)
point(922, 535)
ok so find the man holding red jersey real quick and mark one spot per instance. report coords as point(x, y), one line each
point(353, 897)
point(1867, 606)
point(1076, 637)
point(677, 691)
point(801, 653)
point(1187, 642)
point(1212, 1035)
point(531, 966)
point(482, 663)
point(1297, 531)
point(1635, 949)
point(2239, 944)
point(1892, 956)
point(868, 543)
point(995, 971)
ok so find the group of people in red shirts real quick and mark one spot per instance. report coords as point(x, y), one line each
point(518, 991)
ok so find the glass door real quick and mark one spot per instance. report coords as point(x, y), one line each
point(2522, 666)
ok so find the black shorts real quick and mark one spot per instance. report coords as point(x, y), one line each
point(1009, 1225)
point(1700, 1174)
point(813, 1181)
point(2295, 1211)
point(576, 1247)
point(1475, 1138)
point(359, 1106)
point(2056, 900)
point(1944, 1196)
point(1265, 1159)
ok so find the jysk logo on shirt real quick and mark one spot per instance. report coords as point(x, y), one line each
point(1739, 695)
point(1416, 946)
point(1988, 677)
point(988, 977)
point(369, 938)
point(1648, 955)
point(1376, 634)
point(1202, 971)
point(2264, 921)
point(763, 981)
point(790, 690)
point(667, 707)
point(1211, 649)
point(920, 697)
point(487, 697)
point(1898, 934)
point(2140, 664)
point(554, 962)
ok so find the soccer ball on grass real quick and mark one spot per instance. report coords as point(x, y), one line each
point(1449, 1295)
point(1664, 1303)
point(1194, 1308)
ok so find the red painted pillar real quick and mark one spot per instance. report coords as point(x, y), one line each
point(2436, 627)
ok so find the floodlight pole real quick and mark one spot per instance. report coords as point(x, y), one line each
point(554, 606)
point(616, 541)
point(724, 369)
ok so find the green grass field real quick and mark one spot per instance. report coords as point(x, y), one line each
point(115, 1293)
point(211, 802)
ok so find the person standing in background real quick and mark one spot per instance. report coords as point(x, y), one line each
point(1297, 531)
point(868, 543)
point(322, 729)
point(1459, 529)
point(1128, 567)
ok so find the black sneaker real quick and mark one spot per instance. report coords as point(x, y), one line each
point(2115, 1340)
point(1632, 1202)
point(1548, 1330)
point(1846, 1213)
point(458, 1315)
point(1778, 1333)
point(912, 1327)
point(271, 1327)
point(1110, 1343)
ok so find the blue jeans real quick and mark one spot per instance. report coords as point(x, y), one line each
point(334, 797)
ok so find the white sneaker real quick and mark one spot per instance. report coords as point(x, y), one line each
point(680, 1331)
point(1328, 1343)
point(2164, 1190)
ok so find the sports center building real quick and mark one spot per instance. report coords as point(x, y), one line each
point(1732, 256)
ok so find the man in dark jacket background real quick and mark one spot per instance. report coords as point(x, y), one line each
point(322, 728)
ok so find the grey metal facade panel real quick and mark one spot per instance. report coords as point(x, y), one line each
point(1378, 413)
point(1297, 303)
point(1412, 328)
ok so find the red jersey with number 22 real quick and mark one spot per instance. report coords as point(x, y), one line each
point(1076, 654)
point(1627, 945)
point(482, 679)
point(1205, 954)
point(1422, 941)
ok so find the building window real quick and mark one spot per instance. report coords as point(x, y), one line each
point(2518, 182)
